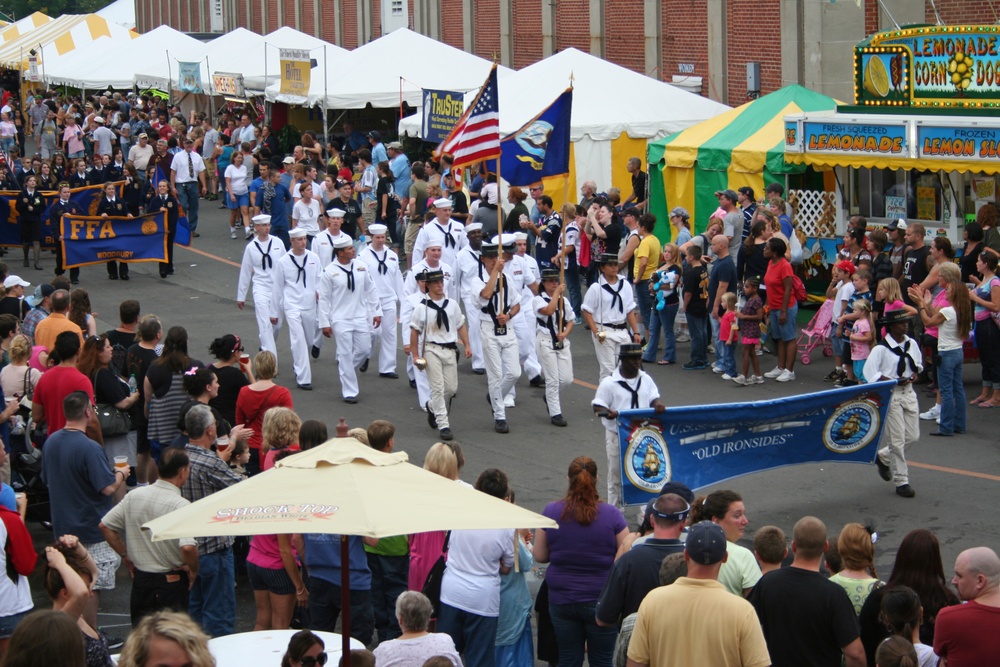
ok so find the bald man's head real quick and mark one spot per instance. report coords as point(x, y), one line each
point(977, 571)
point(809, 538)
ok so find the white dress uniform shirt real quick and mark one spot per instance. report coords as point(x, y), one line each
point(451, 237)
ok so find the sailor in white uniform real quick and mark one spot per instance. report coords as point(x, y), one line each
point(294, 293)
point(259, 260)
point(450, 234)
point(383, 265)
point(553, 323)
point(347, 298)
point(470, 264)
point(609, 310)
point(432, 262)
point(417, 380)
point(322, 245)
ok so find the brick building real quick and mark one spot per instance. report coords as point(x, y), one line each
point(793, 41)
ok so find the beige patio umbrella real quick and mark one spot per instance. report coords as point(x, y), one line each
point(346, 488)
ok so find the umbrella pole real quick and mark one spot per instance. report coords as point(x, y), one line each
point(345, 600)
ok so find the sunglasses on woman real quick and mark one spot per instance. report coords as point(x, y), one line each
point(310, 661)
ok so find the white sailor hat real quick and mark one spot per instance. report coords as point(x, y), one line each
point(335, 212)
point(377, 229)
point(432, 243)
point(262, 219)
point(474, 227)
point(443, 202)
point(297, 233)
point(520, 236)
point(507, 239)
point(343, 242)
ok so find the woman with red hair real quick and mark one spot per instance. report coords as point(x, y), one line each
point(580, 556)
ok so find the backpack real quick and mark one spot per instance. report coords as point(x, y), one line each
point(799, 292)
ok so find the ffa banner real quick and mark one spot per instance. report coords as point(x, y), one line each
point(295, 70)
point(189, 78)
point(707, 444)
point(541, 147)
point(442, 109)
point(10, 232)
point(93, 240)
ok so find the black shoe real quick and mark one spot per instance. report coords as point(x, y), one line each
point(164, 274)
point(196, 235)
point(413, 384)
point(942, 435)
point(110, 277)
point(500, 426)
point(906, 491)
point(38, 267)
point(113, 643)
point(391, 376)
point(26, 263)
point(446, 434)
point(537, 381)
point(75, 282)
point(304, 387)
point(363, 367)
point(558, 420)
point(884, 471)
point(315, 352)
point(124, 277)
point(351, 399)
point(431, 419)
point(479, 371)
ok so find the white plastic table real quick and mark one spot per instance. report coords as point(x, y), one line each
point(265, 648)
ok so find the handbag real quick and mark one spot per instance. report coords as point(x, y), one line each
point(432, 585)
point(113, 421)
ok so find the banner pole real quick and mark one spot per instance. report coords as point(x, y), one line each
point(326, 102)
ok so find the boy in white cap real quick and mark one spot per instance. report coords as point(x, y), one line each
point(293, 292)
point(347, 296)
point(609, 310)
point(443, 230)
point(418, 381)
point(383, 265)
point(553, 323)
point(432, 261)
point(260, 259)
point(523, 288)
point(470, 264)
point(440, 321)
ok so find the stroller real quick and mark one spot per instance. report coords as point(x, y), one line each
point(26, 477)
point(817, 333)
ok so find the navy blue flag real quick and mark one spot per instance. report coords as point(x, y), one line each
point(703, 445)
point(96, 240)
point(183, 236)
point(541, 147)
point(86, 198)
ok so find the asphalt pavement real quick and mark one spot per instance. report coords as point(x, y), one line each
point(954, 478)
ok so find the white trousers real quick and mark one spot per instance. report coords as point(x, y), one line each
point(301, 325)
point(475, 338)
point(354, 345)
point(614, 476)
point(420, 378)
point(442, 376)
point(385, 336)
point(525, 329)
point(607, 352)
point(266, 331)
point(557, 366)
point(502, 367)
point(902, 427)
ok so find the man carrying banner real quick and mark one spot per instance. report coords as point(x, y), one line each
point(294, 293)
point(498, 303)
point(627, 388)
point(439, 321)
point(609, 310)
point(258, 267)
point(63, 206)
point(347, 297)
point(383, 266)
point(898, 357)
point(553, 324)
point(470, 264)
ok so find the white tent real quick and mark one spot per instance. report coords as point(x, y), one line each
point(120, 62)
point(615, 112)
point(121, 12)
point(393, 67)
point(59, 38)
point(23, 26)
point(257, 58)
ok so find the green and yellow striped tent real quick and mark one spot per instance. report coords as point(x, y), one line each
point(741, 147)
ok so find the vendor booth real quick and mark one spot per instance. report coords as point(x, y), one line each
point(607, 128)
point(741, 147)
point(59, 37)
point(922, 139)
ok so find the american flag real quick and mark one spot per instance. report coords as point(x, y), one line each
point(476, 136)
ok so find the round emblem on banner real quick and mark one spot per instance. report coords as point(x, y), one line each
point(647, 465)
point(851, 427)
point(149, 227)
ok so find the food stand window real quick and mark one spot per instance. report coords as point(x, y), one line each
point(897, 193)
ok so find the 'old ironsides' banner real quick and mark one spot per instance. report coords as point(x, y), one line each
point(95, 240)
point(707, 444)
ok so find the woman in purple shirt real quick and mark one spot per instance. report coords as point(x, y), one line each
point(580, 555)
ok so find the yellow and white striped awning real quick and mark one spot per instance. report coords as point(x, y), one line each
point(59, 37)
point(23, 26)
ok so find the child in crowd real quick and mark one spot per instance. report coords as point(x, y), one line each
point(846, 322)
point(770, 547)
point(903, 615)
point(858, 577)
point(750, 318)
point(840, 290)
point(861, 338)
point(890, 293)
point(239, 457)
point(728, 334)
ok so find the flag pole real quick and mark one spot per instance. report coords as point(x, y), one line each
point(565, 223)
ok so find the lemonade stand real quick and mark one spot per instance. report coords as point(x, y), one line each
point(922, 139)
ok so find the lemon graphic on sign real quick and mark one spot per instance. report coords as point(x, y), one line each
point(960, 68)
point(876, 77)
point(148, 227)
